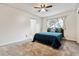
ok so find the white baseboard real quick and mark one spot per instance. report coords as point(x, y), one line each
point(11, 42)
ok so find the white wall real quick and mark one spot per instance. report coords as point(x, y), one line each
point(77, 23)
point(70, 22)
point(14, 24)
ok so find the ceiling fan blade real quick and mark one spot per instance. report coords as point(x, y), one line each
point(49, 6)
point(39, 10)
point(44, 6)
point(41, 5)
point(37, 7)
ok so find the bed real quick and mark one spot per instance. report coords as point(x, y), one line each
point(50, 38)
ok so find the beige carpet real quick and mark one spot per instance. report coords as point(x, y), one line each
point(38, 49)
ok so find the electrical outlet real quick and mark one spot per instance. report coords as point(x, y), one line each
point(78, 12)
point(26, 35)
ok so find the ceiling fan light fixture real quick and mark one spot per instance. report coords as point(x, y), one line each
point(42, 10)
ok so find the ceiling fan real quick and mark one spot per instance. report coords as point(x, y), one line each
point(43, 7)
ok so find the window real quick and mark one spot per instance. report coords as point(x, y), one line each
point(55, 23)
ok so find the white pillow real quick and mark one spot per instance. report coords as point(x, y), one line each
point(52, 29)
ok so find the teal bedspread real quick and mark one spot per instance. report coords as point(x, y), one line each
point(58, 35)
point(49, 38)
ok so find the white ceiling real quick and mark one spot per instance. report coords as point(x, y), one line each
point(57, 8)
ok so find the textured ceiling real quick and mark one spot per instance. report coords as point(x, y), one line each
point(57, 8)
